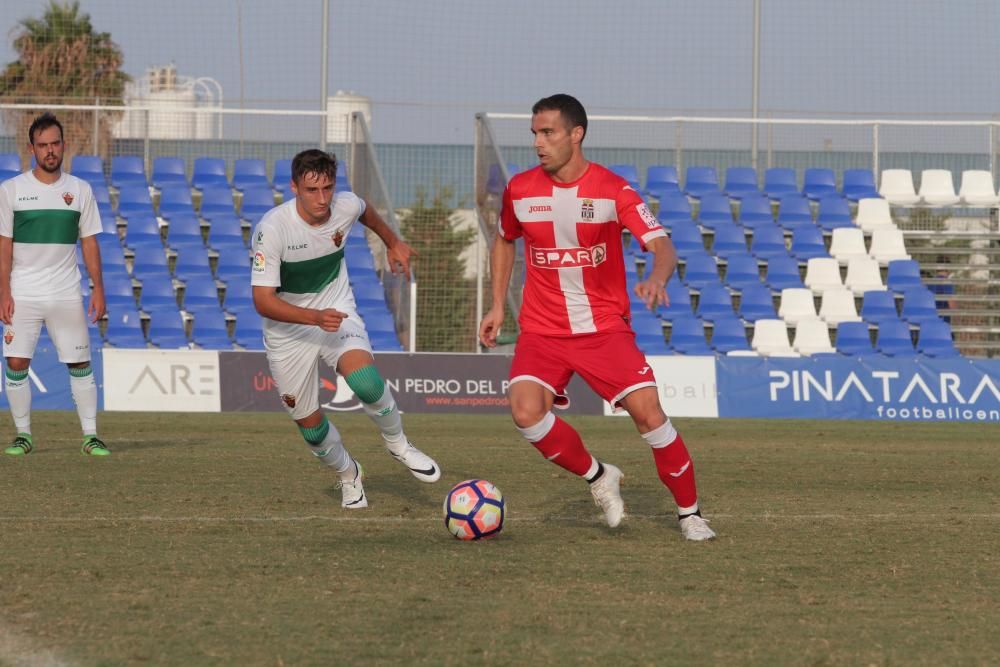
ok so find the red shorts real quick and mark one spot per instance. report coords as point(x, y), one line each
point(610, 363)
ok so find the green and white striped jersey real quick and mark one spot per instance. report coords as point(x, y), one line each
point(45, 222)
point(304, 262)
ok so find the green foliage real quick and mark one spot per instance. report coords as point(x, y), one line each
point(446, 299)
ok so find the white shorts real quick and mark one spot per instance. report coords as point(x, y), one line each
point(66, 323)
point(295, 362)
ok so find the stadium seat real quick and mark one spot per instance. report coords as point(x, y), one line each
point(794, 211)
point(687, 337)
point(199, 294)
point(770, 339)
point(754, 212)
point(887, 245)
point(628, 172)
point(714, 210)
point(847, 243)
point(859, 184)
point(225, 229)
point(937, 188)
point(134, 199)
point(87, 167)
point(812, 337)
point(184, 230)
point(169, 171)
point(742, 269)
point(209, 171)
point(919, 305)
point(283, 174)
point(757, 303)
point(379, 321)
point(699, 181)
point(674, 209)
point(863, 275)
point(166, 330)
point(729, 240)
point(193, 264)
point(112, 253)
point(807, 243)
point(210, 331)
point(128, 170)
point(250, 173)
point(124, 328)
point(873, 214)
point(700, 269)
point(239, 297)
point(216, 200)
point(118, 291)
point(902, 275)
point(649, 335)
point(740, 182)
point(109, 226)
point(714, 301)
point(661, 179)
point(767, 242)
point(729, 335)
point(157, 294)
point(256, 202)
point(687, 238)
point(893, 339)
point(822, 273)
point(679, 298)
point(854, 339)
point(148, 256)
point(249, 333)
point(977, 189)
point(779, 181)
point(102, 197)
point(934, 339)
point(834, 212)
point(175, 199)
point(837, 305)
point(878, 305)
point(10, 166)
point(782, 272)
point(143, 230)
point(897, 187)
point(796, 304)
point(385, 341)
point(360, 263)
point(232, 264)
point(818, 183)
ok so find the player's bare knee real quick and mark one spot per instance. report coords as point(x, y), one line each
point(18, 363)
point(527, 413)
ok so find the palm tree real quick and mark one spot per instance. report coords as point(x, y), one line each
point(62, 60)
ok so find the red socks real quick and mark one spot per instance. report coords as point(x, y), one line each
point(559, 442)
point(673, 464)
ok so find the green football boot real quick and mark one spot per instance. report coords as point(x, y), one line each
point(94, 446)
point(21, 446)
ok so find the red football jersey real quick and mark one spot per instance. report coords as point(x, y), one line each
point(575, 282)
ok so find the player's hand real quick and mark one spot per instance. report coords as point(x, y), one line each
point(490, 327)
point(399, 257)
point(6, 308)
point(329, 319)
point(652, 293)
point(98, 308)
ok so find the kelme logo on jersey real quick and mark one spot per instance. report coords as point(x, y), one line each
point(587, 209)
point(258, 262)
point(568, 258)
point(647, 216)
point(68, 198)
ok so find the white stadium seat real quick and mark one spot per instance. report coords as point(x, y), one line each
point(897, 187)
point(863, 275)
point(937, 188)
point(873, 213)
point(796, 304)
point(770, 339)
point(812, 337)
point(887, 245)
point(838, 306)
point(977, 189)
point(847, 243)
point(822, 273)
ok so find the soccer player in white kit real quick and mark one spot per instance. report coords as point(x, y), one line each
point(301, 290)
point(43, 212)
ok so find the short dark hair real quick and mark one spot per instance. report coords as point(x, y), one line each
point(569, 107)
point(42, 123)
point(314, 161)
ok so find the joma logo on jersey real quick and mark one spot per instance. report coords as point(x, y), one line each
point(587, 209)
point(568, 258)
point(539, 209)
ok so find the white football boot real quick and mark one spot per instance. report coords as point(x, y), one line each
point(607, 494)
point(696, 529)
point(353, 493)
point(419, 464)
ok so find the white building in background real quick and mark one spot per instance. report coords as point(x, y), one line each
point(180, 107)
point(339, 109)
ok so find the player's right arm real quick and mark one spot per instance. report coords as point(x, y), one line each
point(501, 268)
point(6, 256)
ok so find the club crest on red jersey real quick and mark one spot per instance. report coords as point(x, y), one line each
point(587, 209)
point(68, 198)
point(568, 258)
point(337, 238)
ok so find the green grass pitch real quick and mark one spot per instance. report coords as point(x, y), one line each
point(218, 540)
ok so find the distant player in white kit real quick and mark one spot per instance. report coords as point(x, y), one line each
point(301, 289)
point(43, 212)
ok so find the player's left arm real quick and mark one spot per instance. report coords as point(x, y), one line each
point(399, 251)
point(641, 223)
point(92, 260)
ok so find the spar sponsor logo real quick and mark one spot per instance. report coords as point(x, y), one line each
point(894, 395)
point(568, 258)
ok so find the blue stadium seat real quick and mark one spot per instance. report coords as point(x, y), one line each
point(249, 332)
point(934, 339)
point(807, 243)
point(157, 293)
point(360, 263)
point(232, 264)
point(679, 297)
point(343, 184)
point(134, 199)
point(818, 183)
point(919, 305)
point(377, 320)
point(757, 303)
point(216, 200)
point(209, 171)
point(729, 240)
point(729, 335)
point(175, 199)
point(283, 174)
point(740, 182)
point(385, 341)
point(10, 166)
point(193, 265)
point(250, 173)
point(782, 273)
point(699, 181)
point(124, 328)
point(109, 226)
point(877, 306)
point(854, 339)
point(239, 297)
point(661, 179)
point(715, 210)
point(834, 212)
point(118, 291)
point(87, 167)
point(628, 172)
point(755, 212)
point(902, 275)
point(687, 337)
point(210, 331)
point(102, 196)
point(256, 202)
point(768, 241)
point(199, 294)
point(143, 229)
point(148, 256)
point(674, 209)
point(859, 184)
point(794, 211)
point(742, 269)
point(779, 181)
point(225, 230)
point(893, 339)
point(166, 330)
point(714, 301)
point(700, 269)
point(687, 238)
point(112, 253)
point(649, 334)
point(184, 230)
point(128, 170)
point(169, 171)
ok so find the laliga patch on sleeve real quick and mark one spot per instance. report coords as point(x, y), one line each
point(258, 262)
point(647, 216)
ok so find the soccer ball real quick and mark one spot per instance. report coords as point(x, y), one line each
point(474, 509)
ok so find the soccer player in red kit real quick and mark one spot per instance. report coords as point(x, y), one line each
point(575, 314)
